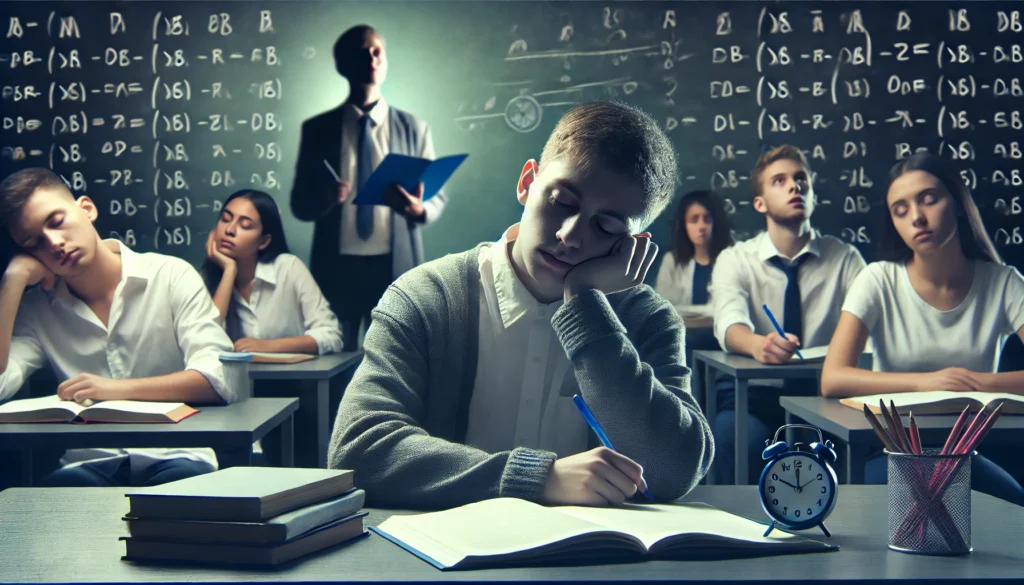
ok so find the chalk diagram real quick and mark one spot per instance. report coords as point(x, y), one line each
point(526, 99)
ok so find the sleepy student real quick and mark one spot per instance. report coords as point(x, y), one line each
point(800, 275)
point(700, 233)
point(938, 307)
point(266, 296)
point(465, 391)
point(112, 323)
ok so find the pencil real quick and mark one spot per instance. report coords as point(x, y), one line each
point(900, 430)
point(891, 426)
point(954, 434)
point(915, 436)
point(877, 426)
point(983, 430)
point(969, 432)
point(331, 169)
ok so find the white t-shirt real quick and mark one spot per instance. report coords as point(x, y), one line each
point(909, 335)
point(285, 302)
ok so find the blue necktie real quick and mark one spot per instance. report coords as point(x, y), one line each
point(792, 315)
point(364, 213)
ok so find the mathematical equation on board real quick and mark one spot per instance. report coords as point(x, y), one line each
point(155, 133)
point(857, 88)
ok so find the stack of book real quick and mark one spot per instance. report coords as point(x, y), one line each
point(255, 516)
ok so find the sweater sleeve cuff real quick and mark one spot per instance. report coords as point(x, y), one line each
point(526, 472)
point(586, 318)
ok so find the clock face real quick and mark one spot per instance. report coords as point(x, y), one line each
point(797, 490)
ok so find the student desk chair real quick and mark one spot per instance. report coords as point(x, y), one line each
point(229, 430)
point(310, 381)
point(84, 524)
point(849, 426)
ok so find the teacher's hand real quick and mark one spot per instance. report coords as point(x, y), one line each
point(599, 477)
point(344, 190)
point(408, 204)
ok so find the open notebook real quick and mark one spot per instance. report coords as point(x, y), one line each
point(53, 409)
point(510, 531)
point(938, 402)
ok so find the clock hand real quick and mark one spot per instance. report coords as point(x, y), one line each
point(787, 483)
point(798, 486)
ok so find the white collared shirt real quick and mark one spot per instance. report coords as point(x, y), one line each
point(743, 280)
point(380, 241)
point(675, 283)
point(522, 394)
point(161, 321)
point(285, 302)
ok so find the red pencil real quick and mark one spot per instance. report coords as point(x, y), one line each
point(915, 436)
point(954, 435)
point(983, 430)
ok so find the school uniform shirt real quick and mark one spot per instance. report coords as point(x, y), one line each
point(161, 321)
point(522, 394)
point(285, 302)
point(744, 279)
point(910, 335)
point(678, 283)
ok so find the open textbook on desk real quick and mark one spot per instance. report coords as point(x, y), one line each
point(938, 402)
point(53, 409)
point(509, 531)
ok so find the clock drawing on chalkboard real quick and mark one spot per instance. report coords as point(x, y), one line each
point(522, 113)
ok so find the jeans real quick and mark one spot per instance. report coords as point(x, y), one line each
point(158, 473)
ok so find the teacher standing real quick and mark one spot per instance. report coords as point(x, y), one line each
point(359, 250)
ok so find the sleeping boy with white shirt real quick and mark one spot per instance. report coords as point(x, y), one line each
point(465, 390)
point(113, 325)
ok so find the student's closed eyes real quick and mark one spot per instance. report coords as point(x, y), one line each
point(267, 297)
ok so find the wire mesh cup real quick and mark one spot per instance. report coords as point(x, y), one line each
point(930, 503)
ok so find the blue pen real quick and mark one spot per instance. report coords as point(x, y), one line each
point(778, 328)
point(589, 417)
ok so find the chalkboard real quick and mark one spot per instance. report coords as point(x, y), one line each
point(158, 110)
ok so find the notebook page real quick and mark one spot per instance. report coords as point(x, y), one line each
point(137, 406)
point(33, 404)
point(906, 399)
point(654, 522)
point(488, 528)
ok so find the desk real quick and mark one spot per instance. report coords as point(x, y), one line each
point(743, 369)
point(313, 416)
point(229, 430)
point(849, 426)
point(48, 538)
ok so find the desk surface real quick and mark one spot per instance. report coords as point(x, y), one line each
point(319, 368)
point(850, 426)
point(71, 535)
point(744, 367)
point(214, 426)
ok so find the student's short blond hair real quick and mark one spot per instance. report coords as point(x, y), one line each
point(784, 152)
point(622, 139)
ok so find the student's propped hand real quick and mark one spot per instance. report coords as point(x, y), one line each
point(625, 267)
point(250, 344)
point(955, 379)
point(599, 477)
point(92, 387)
point(777, 349)
point(408, 204)
point(30, 271)
point(214, 254)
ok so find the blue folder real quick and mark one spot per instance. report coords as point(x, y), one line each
point(408, 171)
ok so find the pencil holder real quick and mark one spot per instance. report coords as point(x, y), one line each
point(930, 503)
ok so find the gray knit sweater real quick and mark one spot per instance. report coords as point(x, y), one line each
point(405, 412)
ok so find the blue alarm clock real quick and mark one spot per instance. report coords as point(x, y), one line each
point(798, 487)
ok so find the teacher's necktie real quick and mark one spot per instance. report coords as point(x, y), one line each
point(364, 213)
